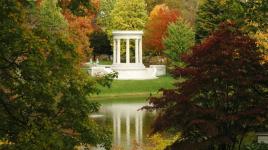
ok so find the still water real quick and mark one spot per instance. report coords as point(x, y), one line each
point(130, 126)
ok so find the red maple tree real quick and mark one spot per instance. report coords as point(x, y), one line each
point(223, 96)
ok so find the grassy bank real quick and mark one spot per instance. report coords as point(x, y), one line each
point(135, 88)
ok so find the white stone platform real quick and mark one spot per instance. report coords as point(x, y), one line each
point(134, 72)
point(125, 72)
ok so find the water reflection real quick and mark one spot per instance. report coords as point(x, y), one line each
point(123, 115)
point(129, 124)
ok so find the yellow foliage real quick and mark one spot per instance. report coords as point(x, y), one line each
point(155, 142)
point(262, 42)
point(4, 142)
point(262, 39)
point(159, 142)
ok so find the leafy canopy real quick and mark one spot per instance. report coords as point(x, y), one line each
point(128, 15)
point(214, 12)
point(250, 15)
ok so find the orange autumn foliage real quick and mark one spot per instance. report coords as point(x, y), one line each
point(160, 17)
point(80, 27)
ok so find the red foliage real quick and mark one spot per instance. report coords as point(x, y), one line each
point(223, 97)
point(160, 17)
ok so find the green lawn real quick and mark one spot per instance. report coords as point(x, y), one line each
point(136, 88)
point(133, 88)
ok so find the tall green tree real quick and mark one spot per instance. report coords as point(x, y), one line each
point(129, 15)
point(180, 37)
point(214, 12)
point(43, 94)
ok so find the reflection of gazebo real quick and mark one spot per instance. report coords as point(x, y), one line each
point(128, 69)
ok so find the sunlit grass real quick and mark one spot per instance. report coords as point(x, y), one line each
point(136, 88)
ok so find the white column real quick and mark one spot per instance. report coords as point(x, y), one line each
point(118, 51)
point(127, 50)
point(140, 50)
point(114, 52)
point(136, 51)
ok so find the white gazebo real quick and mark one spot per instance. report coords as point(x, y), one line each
point(127, 69)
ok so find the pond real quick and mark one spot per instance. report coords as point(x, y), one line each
point(130, 126)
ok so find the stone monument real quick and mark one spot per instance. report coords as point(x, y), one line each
point(128, 69)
